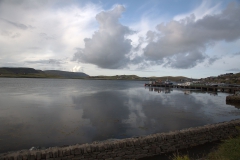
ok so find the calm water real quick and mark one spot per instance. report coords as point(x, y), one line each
point(57, 112)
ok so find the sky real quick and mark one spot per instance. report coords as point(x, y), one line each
point(191, 38)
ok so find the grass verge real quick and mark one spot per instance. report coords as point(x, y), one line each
point(178, 157)
point(228, 150)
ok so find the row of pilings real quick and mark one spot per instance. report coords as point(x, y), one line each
point(232, 90)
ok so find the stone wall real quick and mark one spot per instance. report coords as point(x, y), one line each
point(133, 148)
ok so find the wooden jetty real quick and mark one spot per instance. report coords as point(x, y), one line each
point(232, 90)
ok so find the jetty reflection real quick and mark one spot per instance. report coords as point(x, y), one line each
point(160, 90)
point(168, 90)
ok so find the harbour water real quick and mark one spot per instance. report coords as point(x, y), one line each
point(57, 112)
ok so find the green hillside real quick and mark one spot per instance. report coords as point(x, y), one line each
point(24, 73)
point(117, 77)
point(6, 70)
point(65, 74)
point(134, 77)
point(33, 73)
point(164, 78)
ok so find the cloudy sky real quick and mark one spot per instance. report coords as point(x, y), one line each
point(191, 38)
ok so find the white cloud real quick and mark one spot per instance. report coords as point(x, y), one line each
point(77, 69)
point(34, 33)
point(37, 30)
point(182, 44)
point(108, 47)
point(204, 9)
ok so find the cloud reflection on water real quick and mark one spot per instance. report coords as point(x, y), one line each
point(106, 112)
point(56, 114)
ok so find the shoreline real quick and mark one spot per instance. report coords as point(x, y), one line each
point(78, 78)
point(137, 147)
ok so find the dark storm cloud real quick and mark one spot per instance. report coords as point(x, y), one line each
point(182, 43)
point(108, 47)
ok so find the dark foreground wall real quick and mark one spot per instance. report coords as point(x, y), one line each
point(133, 148)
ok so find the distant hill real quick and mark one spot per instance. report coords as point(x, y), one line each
point(33, 73)
point(65, 74)
point(11, 72)
point(116, 77)
point(8, 70)
point(135, 77)
point(176, 79)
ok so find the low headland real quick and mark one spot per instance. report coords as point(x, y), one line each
point(33, 73)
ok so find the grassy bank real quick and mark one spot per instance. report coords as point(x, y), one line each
point(185, 157)
point(227, 150)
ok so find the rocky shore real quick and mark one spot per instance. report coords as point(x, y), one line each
point(233, 98)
